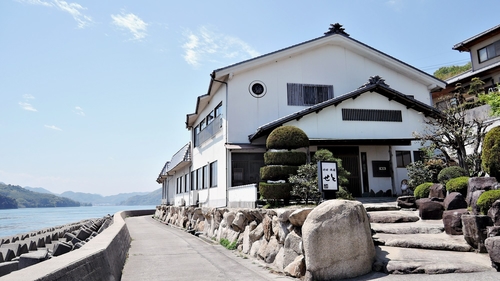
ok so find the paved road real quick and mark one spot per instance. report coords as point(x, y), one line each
point(160, 252)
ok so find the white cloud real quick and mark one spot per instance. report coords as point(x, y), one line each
point(53, 127)
point(207, 45)
point(132, 23)
point(79, 111)
point(28, 97)
point(27, 106)
point(74, 9)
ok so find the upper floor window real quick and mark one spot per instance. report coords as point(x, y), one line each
point(308, 94)
point(489, 52)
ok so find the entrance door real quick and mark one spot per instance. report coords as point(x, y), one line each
point(350, 161)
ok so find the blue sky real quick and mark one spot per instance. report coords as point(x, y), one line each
point(94, 94)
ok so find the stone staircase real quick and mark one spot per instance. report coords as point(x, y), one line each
point(407, 245)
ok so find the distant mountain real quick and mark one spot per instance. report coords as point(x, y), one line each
point(153, 198)
point(7, 203)
point(97, 199)
point(39, 190)
point(29, 199)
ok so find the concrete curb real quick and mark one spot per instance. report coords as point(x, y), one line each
point(102, 258)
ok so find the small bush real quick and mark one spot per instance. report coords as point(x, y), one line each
point(292, 158)
point(287, 137)
point(422, 191)
point(486, 200)
point(344, 194)
point(490, 154)
point(449, 173)
point(228, 245)
point(459, 184)
point(275, 190)
point(418, 174)
point(277, 172)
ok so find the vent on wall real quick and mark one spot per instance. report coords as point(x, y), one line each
point(350, 114)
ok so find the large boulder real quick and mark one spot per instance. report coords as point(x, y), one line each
point(298, 217)
point(492, 244)
point(454, 201)
point(292, 248)
point(494, 213)
point(437, 190)
point(407, 202)
point(481, 183)
point(337, 241)
point(431, 210)
point(475, 229)
point(452, 221)
point(474, 196)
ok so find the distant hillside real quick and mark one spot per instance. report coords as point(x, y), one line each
point(153, 198)
point(97, 199)
point(29, 199)
point(39, 190)
point(7, 203)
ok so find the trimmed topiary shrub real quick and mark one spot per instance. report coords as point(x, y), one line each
point(277, 172)
point(292, 158)
point(287, 137)
point(486, 200)
point(275, 190)
point(449, 173)
point(342, 193)
point(459, 184)
point(422, 191)
point(490, 154)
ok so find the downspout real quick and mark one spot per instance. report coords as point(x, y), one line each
point(212, 76)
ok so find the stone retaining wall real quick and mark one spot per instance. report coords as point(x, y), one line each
point(273, 236)
point(102, 258)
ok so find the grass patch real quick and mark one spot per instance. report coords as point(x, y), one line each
point(228, 245)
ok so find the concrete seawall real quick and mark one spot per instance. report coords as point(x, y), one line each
point(102, 258)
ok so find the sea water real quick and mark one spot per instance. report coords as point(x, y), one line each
point(26, 220)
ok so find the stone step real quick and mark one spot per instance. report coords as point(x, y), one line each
point(393, 216)
point(378, 207)
point(442, 241)
point(418, 227)
point(409, 261)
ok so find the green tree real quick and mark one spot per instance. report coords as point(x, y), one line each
point(446, 72)
point(305, 183)
point(491, 153)
point(453, 132)
point(493, 100)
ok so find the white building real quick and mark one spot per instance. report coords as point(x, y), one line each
point(332, 88)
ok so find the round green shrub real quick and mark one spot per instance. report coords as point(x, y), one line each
point(459, 184)
point(275, 190)
point(422, 191)
point(287, 137)
point(292, 158)
point(449, 173)
point(486, 200)
point(277, 172)
point(490, 155)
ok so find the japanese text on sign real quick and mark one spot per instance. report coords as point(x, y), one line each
point(327, 175)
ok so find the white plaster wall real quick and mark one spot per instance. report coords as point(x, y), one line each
point(328, 123)
point(328, 65)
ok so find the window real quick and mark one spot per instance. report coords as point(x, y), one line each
point(418, 155)
point(203, 124)
point(213, 174)
point(308, 94)
point(185, 183)
point(199, 177)
point(205, 176)
point(403, 158)
point(193, 180)
point(178, 185)
point(489, 52)
point(210, 117)
point(218, 109)
point(245, 168)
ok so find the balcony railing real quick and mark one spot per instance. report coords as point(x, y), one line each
point(209, 131)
